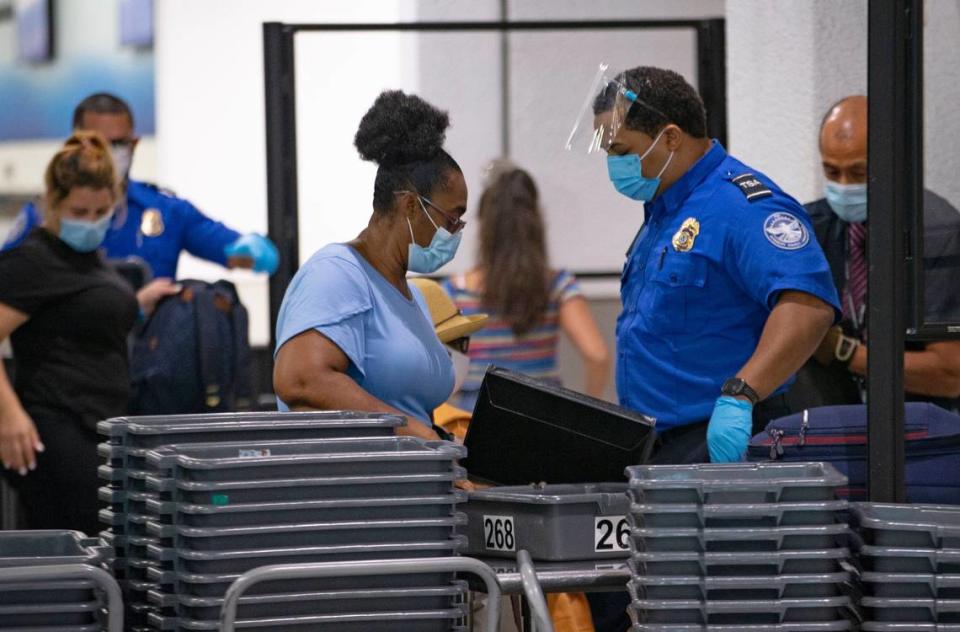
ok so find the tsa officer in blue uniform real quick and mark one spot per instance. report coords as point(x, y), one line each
point(153, 225)
point(725, 291)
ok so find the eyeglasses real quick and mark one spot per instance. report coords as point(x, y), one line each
point(460, 344)
point(454, 223)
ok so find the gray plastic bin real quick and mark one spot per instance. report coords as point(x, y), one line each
point(215, 586)
point(50, 614)
point(739, 612)
point(883, 626)
point(90, 627)
point(317, 603)
point(553, 522)
point(154, 431)
point(765, 563)
point(47, 592)
point(678, 516)
point(740, 540)
point(911, 586)
point(306, 488)
point(227, 514)
point(912, 610)
point(335, 457)
point(407, 621)
point(908, 526)
point(740, 588)
point(734, 483)
point(342, 533)
point(911, 561)
point(49, 547)
point(240, 561)
point(825, 626)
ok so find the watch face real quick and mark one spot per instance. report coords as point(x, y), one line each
point(733, 386)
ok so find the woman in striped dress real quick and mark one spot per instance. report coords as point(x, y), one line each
point(529, 304)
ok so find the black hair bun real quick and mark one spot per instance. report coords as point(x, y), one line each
point(399, 129)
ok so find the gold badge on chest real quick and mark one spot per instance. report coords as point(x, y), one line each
point(684, 238)
point(151, 224)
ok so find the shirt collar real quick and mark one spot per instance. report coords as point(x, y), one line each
point(674, 197)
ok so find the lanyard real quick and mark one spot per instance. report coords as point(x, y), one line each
point(857, 315)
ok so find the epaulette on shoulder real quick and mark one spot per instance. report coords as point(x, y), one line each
point(751, 187)
point(159, 189)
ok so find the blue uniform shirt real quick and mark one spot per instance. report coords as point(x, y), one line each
point(155, 226)
point(393, 349)
point(700, 281)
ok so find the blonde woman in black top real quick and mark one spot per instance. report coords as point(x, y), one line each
point(68, 315)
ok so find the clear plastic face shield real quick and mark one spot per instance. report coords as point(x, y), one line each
point(603, 113)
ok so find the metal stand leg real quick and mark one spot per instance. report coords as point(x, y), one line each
point(9, 507)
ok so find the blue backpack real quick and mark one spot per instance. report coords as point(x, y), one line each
point(193, 354)
point(838, 435)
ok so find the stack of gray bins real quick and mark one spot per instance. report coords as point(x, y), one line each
point(125, 471)
point(49, 606)
point(227, 508)
point(744, 546)
point(910, 556)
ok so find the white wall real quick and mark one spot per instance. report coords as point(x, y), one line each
point(210, 106)
point(941, 96)
point(82, 29)
point(787, 62)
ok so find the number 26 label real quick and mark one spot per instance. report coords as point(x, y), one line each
point(611, 533)
point(499, 534)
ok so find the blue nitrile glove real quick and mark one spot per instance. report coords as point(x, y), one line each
point(257, 247)
point(729, 430)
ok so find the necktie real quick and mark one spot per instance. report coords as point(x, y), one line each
point(855, 294)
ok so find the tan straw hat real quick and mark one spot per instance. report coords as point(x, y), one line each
point(448, 321)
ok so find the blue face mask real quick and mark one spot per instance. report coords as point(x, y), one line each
point(627, 177)
point(441, 250)
point(84, 236)
point(848, 201)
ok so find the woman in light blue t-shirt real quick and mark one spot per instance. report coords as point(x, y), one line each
point(352, 334)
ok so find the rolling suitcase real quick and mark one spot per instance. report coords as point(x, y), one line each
point(838, 435)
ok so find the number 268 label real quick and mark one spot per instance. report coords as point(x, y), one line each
point(499, 533)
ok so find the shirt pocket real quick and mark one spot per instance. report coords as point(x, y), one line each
point(672, 302)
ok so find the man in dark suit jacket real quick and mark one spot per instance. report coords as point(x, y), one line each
point(835, 374)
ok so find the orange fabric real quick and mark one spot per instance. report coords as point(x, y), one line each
point(452, 419)
point(570, 612)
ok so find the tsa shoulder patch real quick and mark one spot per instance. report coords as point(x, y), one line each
point(786, 232)
point(751, 187)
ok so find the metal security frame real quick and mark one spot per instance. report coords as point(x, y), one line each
point(281, 112)
point(896, 236)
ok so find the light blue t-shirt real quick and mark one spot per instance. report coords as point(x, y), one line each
point(394, 352)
